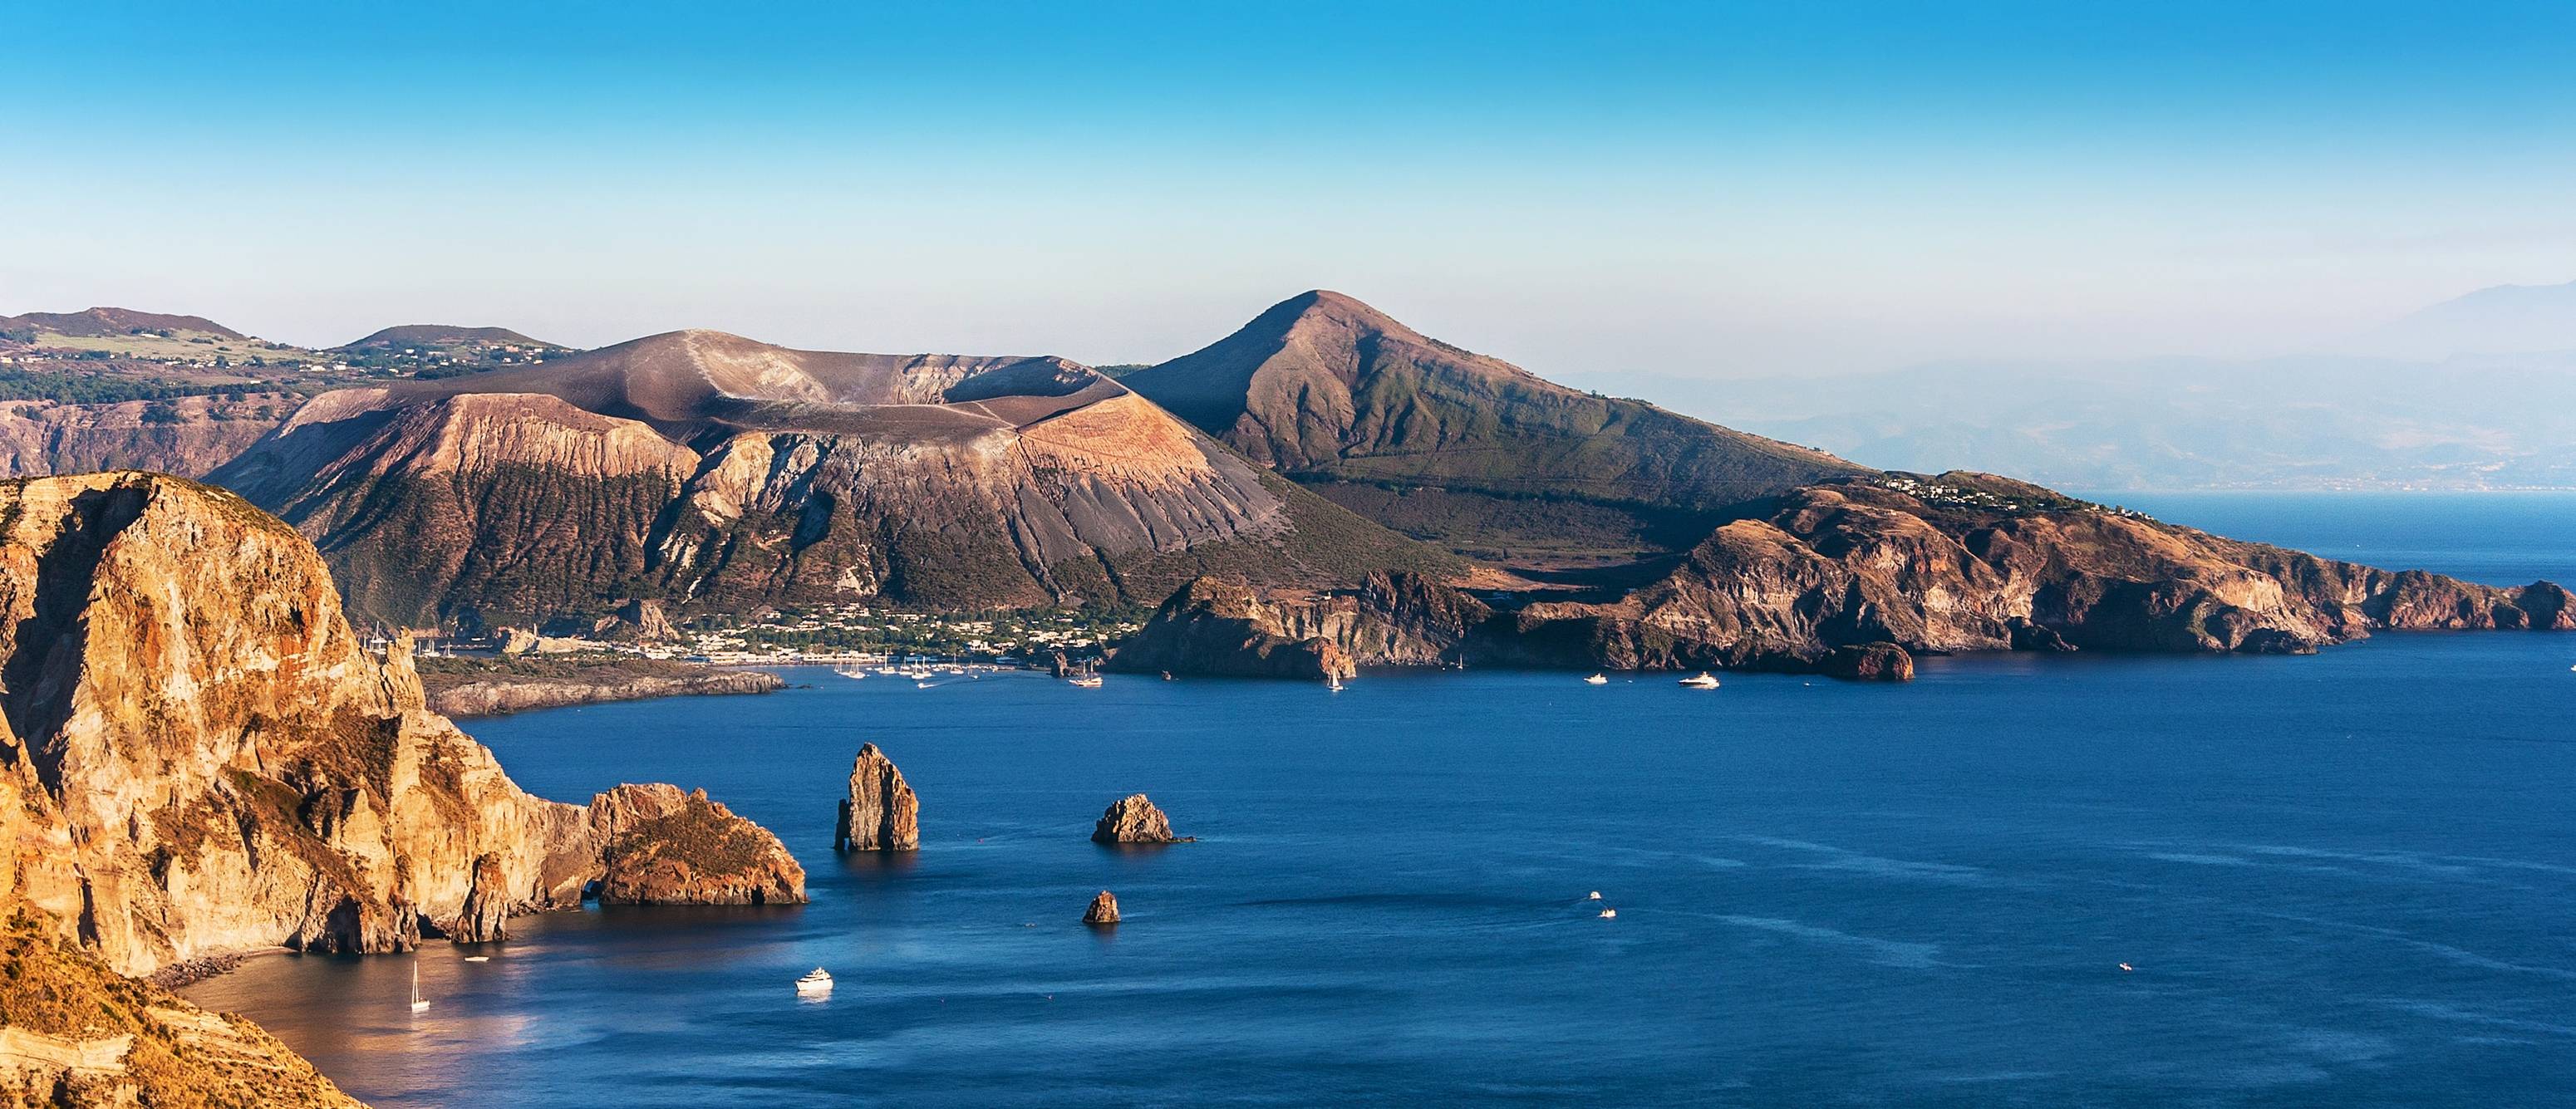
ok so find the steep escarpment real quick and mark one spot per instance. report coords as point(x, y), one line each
point(1328, 389)
point(1854, 578)
point(188, 436)
point(502, 506)
point(199, 757)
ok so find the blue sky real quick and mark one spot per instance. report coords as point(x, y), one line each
point(1686, 190)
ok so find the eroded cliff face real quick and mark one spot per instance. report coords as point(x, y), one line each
point(197, 755)
point(188, 436)
point(1853, 579)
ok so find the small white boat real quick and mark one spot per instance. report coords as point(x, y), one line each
point(1609, 914)
point(815, 981)
point(1085, 681)
point(1333, 683)
point(1701, 680)
point(1596, 679)
point(419, 1004)
point(921, 685)
point(1596, 896)
point(478, 958)
point(851, 672)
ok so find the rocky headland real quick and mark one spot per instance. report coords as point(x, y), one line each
point(466, 687)
point(881, 813)
point(199, 757)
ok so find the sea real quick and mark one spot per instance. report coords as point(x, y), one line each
point(2346, 879)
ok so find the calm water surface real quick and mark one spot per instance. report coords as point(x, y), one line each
point(2342, 879)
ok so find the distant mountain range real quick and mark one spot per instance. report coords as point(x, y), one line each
point(2477, 393)
point(2503, 319)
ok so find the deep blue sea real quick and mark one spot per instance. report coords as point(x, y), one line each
point(2345, 879)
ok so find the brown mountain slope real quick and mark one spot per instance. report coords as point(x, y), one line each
point(709, 468)
point(1327, 389)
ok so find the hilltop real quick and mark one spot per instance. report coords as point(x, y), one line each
point(1334, 393)
point(101, 322)
point(444, 335)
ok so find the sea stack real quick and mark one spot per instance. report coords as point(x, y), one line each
point(1134, 819)
point(881, 813)
point(1103, 910)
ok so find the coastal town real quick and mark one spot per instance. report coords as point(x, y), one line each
point(828, 635)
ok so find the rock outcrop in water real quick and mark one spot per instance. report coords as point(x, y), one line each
point(1134, 819)
point(1855, 578)
point(1870, 662)
point(1103, 910)
point(881, 813)
point(659, 846)
point(196, 755)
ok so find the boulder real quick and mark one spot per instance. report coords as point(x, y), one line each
point(1103, 910)
point(1870, 662)
point(1134, 819)
point(881, 813)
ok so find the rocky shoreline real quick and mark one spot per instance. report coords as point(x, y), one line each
point(496, 687)
point(1853, 580)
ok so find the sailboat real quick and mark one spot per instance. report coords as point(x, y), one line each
point(419, 1004)
point(1334, 683)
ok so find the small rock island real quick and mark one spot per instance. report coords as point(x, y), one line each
point(1134, 819)
point(1103, 910)
point(881, 813)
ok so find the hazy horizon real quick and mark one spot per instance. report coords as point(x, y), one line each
point(1704, 194)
